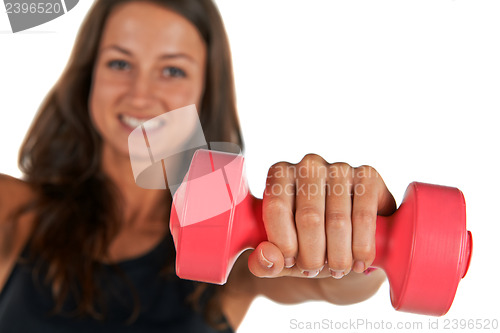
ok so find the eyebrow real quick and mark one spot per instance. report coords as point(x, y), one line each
point(163, 56)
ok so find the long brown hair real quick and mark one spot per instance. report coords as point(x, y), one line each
point(76, 207)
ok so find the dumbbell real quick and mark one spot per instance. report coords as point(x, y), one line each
point(424, 247)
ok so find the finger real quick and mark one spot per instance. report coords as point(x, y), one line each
point(277, 210)
point(310, 213)
point(386, 202)
point(338, 219)
point(266, 261)
point(364, 217)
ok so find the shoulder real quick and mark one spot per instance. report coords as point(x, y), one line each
point(13, 194)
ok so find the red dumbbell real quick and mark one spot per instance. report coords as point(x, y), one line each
point(424, 247)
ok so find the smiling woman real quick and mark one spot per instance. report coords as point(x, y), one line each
point(85, 249)
point(150, 59)
point(149, 63)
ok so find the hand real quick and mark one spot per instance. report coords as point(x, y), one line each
point(320, 219)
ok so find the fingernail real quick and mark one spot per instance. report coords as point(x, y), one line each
point(269, 263)
point(359, 266)
point(289, 262)
point(369, 270)
point(310, 274)
point(336, 274)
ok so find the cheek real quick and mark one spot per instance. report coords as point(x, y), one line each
point(183, 95)
point(100, 101)
point(95, 106)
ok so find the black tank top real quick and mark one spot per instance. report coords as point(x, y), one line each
point(25, 305)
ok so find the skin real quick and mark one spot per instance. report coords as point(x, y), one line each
point(152, 60)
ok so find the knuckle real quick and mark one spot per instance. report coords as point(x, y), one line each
point(280, 165)
point(279, 169)
point(309, 217)
point(312, 166)
point(340, 170)
point(342, 165)
point(366, 172)
point(313, 159)
point(365, 252)
point(275, 205)
point(363, 217)
point(337, 220)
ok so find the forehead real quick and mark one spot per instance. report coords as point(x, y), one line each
point(148, 27)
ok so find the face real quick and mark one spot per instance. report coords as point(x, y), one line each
point(151, 60)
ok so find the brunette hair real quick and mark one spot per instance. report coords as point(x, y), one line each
point(76, 207)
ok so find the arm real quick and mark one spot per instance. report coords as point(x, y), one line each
point(242, 288)
point(353, 288)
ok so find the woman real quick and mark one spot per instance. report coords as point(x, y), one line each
point(84, 248)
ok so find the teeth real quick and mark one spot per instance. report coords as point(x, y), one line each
point(130, 121)
point(134, 122)
point(152, 124)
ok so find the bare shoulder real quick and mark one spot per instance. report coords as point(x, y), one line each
point(13, 194)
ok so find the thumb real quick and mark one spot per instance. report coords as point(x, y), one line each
point(266, 260)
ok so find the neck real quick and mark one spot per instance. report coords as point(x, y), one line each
point(141, 206)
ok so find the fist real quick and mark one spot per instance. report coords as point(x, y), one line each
point(320, 219)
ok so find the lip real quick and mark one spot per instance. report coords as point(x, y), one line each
point(137, 116)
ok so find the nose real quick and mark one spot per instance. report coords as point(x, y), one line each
point(141, 93)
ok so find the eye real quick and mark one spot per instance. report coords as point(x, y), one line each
point(173, 72)
point(119, 65)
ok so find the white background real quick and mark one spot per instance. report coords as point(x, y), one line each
point(409, 87)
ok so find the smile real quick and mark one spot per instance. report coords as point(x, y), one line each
point(149, 124)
